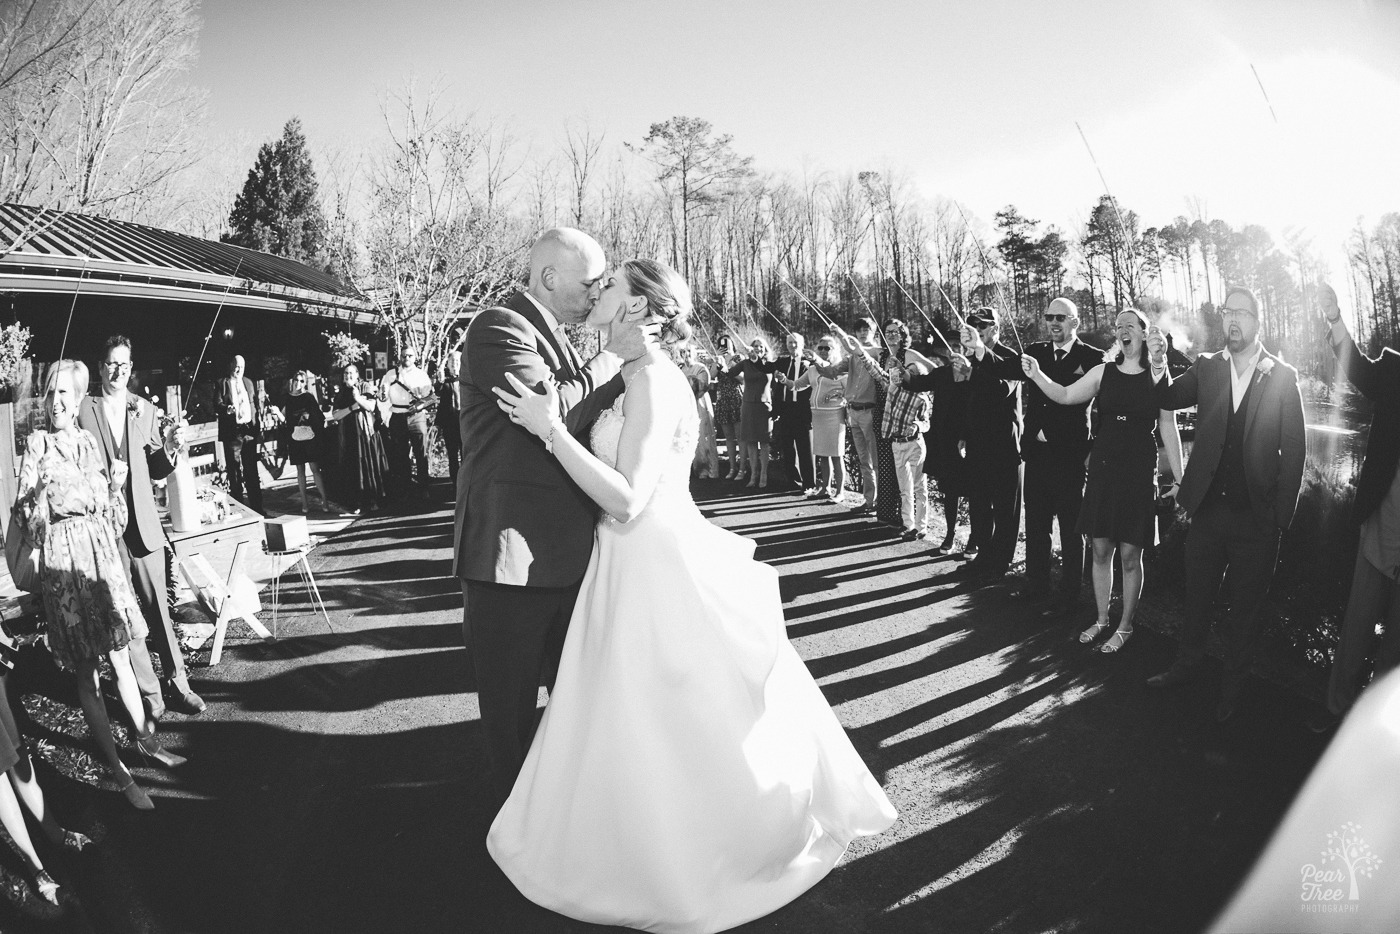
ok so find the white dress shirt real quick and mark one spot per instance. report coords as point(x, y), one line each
point(1239, 382)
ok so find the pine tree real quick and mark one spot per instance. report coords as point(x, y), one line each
point(279, 209)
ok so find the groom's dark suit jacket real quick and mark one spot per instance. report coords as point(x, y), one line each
point(1274, 438)
point(520, 519)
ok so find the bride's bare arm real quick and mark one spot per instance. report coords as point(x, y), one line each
point(652, 408)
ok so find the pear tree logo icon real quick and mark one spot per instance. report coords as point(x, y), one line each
point(1349, 859)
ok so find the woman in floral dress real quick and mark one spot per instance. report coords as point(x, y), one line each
point(72, 513)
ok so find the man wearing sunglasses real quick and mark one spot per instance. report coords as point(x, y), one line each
point(1056, 445)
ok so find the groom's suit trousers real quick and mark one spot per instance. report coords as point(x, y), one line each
point(515, 636)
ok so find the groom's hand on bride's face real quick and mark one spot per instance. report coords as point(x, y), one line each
point(634, 335)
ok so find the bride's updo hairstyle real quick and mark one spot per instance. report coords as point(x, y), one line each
point(667, 295)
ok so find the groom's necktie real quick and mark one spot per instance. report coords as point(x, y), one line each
point(567, 349)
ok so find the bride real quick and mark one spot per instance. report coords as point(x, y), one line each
point(688, 774)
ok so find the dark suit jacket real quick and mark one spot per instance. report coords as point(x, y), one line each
point(146, 461)
point(1275, 443)
point(1379, 381)
point(229, 429)
point(520, 519)
point(994, 403)
point(1061, 423)
point(786, 403)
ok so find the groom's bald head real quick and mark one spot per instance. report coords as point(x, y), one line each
point(566, 271)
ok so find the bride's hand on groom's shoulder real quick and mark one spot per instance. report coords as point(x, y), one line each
point(538, 412)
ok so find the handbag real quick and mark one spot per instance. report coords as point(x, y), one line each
point(303, 433)
point(21, 556)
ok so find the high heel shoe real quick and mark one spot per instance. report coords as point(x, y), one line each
point(151, 751)
point(1092, 633)
point(1116, 641)
point(72, 840)
point(136, 796)
point(46, 887)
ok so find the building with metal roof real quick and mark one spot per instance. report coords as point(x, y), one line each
point(74, 279)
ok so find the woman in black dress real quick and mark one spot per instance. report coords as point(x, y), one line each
point(729, 399)
point(1119, 500)
point(755, 412)
point(362, 461)
point(447, 418)
point(305, 425)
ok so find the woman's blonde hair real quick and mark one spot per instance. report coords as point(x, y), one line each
point(80, 376)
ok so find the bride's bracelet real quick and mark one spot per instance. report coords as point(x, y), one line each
point(549, 438)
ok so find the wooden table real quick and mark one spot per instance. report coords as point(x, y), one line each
point(242, 529)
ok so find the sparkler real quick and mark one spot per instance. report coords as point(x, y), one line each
point(210, 336)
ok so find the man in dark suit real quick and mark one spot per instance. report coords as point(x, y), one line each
point(1376, 513)
point(993, 447)
point(240, 431)
point(1240, 488)
point(523, 528)
point(1056, 447)
point(127, 429)
point(792, 417)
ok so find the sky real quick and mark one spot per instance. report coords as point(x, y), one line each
point(975, 100)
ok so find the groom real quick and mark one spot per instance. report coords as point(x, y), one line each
point(524, 530)
point(1240, 488)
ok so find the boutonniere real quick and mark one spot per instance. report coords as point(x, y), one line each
point(133, 405)
point(1262, 370)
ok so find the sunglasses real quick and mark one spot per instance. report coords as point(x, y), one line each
point(1057, 317)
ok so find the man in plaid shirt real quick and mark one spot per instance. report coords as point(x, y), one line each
point(905, 420)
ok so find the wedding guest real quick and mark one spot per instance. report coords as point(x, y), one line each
point(828, 420)
point(861, 405)
point(903, 420)
point(946, 436)
point(240, 432)
point(306, 424)
point(993, 447)
point(1055, 448)
point(362, 460)
point(706, 462)
point(729, 399)
point(754, 414)
point(1376, 511)
point(1240, 488)
point(128, 429)
point(1119, 505)
point(72, 511)
point(409, 390)
point(792, 417)
point(449, 410)
point(21, 789)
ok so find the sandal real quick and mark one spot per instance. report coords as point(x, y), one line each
point(46, 887)
point(1092, 633)
point(1116, 641)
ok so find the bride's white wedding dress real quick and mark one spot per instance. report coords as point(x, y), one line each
point(688, 774)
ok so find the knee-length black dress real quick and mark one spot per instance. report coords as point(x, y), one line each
point(1121, 493)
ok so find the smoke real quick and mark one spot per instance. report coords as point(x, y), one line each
point(1164, 317)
